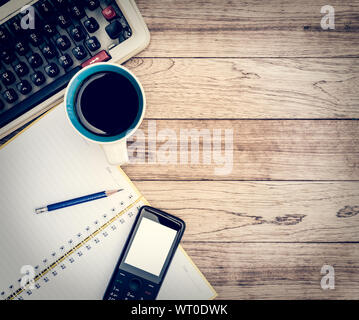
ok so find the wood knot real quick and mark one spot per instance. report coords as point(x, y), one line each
point(134, 63)
point(289, 219)
point(348, 211)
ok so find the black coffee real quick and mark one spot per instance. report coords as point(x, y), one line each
point(107, 103)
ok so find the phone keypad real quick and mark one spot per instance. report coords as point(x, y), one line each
point(127, 286)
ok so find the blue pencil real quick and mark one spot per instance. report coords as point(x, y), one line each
point(72, 202)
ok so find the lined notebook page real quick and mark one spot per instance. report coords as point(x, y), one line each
point(73, 250)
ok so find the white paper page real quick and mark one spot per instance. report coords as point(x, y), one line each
point(49, 163)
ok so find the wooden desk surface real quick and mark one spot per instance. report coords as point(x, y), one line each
point(289, 91)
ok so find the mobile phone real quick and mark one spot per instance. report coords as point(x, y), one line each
point(146, 256)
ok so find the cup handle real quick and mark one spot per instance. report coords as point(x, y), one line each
point(116, 153)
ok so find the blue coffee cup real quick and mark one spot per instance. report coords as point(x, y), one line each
point(114, 146)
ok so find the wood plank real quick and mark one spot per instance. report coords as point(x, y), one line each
point(261, 150)
point(233, 211)
point(212, 28)
point(249, 88)
point(277, 271)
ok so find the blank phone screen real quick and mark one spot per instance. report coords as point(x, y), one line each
point(150, 246)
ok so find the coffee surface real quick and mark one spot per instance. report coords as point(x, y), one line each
point(107, 103)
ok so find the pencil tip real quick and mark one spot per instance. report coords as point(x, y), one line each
point(110, 192)
point(41, 210)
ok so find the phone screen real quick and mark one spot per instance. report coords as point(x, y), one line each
point(150, 246)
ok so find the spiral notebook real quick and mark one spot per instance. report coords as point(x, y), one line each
point(70, 253)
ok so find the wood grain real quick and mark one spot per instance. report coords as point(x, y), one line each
point(262, 150)
point(232, 211)
point(249, 88)
point(277, 270)
point(263, 240)
point(212, 28)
